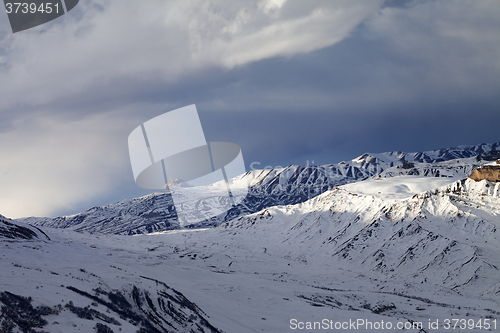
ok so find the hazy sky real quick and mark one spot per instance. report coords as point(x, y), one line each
point(290, 81)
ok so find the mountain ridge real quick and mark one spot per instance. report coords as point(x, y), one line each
point(272, 187)
point(348, 253)
point(406, 238)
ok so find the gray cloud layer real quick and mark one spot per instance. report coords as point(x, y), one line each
point(289, 81)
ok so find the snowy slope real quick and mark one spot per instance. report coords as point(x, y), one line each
point(62, 285)
point(17, 230)
point(154, 212)
point(340, 256)
point(273, 187)
point(455, 228)
point(395, 246)
point(399, 187)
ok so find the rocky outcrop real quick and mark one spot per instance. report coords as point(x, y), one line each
point(19, 231)
point(488, 172)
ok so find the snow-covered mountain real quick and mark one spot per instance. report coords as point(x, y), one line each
point(455, 228)
point(342, 256)
point(274, 187)
point(14, 231)
point(45, 287)
point(455, 168)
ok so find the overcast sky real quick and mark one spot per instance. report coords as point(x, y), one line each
point(289, 81)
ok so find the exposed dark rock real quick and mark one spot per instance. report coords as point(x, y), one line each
point(14, 231)
point(407, 165)
point(90, 314)
point(167, 311)
point(101, 328)
point(19, 313)
point(382, 307)
point(489, 156)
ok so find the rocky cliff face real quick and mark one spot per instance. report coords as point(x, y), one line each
point(488, 172)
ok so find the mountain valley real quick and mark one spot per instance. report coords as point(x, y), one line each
point(406, 244)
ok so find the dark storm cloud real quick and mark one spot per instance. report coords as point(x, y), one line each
point(413, 78)
point(288, 85)
point(363, 94)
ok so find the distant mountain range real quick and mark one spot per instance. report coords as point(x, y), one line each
point(274, 187)
point(393, 237)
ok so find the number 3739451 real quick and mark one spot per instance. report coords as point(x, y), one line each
point(25, 8)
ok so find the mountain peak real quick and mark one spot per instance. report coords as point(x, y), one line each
point(276, 187)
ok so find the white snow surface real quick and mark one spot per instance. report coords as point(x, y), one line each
point(400, 187)
point(340, 256)
point(410, 243)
